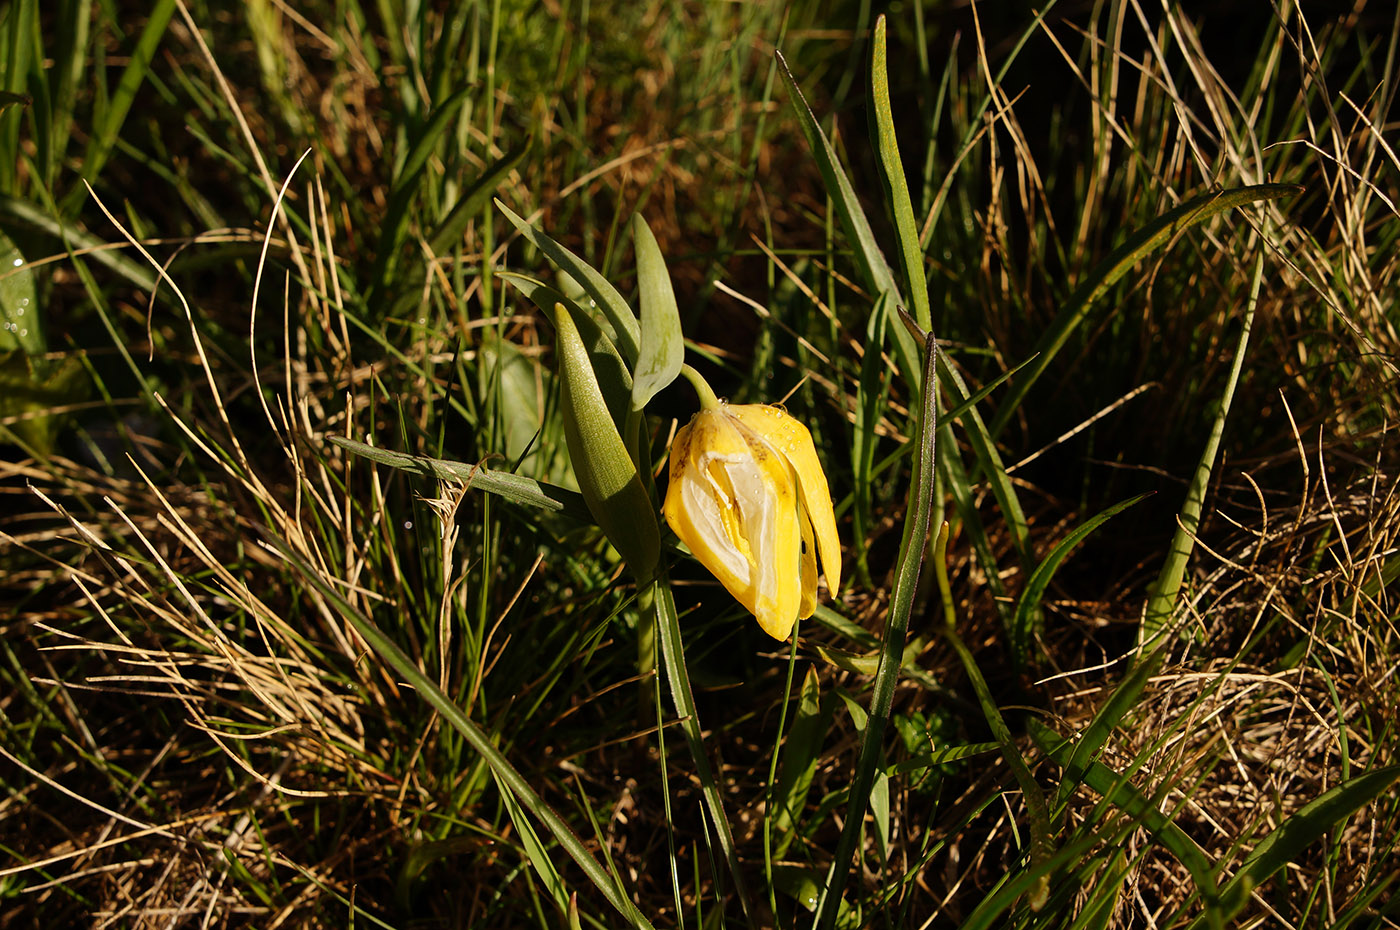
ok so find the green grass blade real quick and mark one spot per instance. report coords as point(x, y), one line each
point(872, 393)
point(942, 757)
point(870, 261)
point(21, 323)
point(1161, 600)
point(475, 198)
point(515, 488)
point(1041, 849)
point(1104, 275)
point(405, 189)
point(449, 232)
point(1120, 793)
point(911, 556)
point(1027, 615)
point(610, 302)
point(1286, 843)
point(799, 761)
point(33, 217)
point(534, 849)
point(911, 256)
point(506, 774)
point(673, 659)
point(104, 138)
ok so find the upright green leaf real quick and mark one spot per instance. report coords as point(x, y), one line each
point(612, 304)
point(1161, 600)
point(910, 560)
point(662, 350)
point(606, 474)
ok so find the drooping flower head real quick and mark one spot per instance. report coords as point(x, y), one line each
point(749, 497)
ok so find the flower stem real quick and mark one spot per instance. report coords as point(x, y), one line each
point(708, 400)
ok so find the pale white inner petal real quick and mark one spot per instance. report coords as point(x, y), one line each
point(704, 501)
point(757, 513)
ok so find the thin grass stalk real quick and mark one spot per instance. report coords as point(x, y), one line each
point(911, 556)
point(673, 658)
point(509, 779)
point(1163, 598)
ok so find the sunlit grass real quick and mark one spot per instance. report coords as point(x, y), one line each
point(201, 729)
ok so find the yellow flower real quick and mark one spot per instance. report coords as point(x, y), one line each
point(749, 498)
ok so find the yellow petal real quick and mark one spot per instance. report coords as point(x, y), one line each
point(794, 442)
point(733, 501)
point(809, 571)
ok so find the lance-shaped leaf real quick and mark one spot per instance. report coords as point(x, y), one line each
point(662, 345)
point(614, 379)
point(609, 301)
point(606, 474)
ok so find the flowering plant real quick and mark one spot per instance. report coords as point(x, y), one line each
point(749, 498)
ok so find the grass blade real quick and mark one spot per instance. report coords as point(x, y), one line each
point(1285, 844)
point(119, 104)
point(911, 255)
point(673, 658)
point(1116, 789)
point(868, 257)
point(911, 556)
point(510, 779)
point(1162, 597)
point(391, 231)
point(1027, 615)
point(1107, 272)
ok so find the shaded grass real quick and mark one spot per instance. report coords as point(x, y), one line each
point(233, 754)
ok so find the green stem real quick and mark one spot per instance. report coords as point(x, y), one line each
point(911, 555)
point(708, 400)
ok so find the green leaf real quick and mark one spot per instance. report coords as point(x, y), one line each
point(534, 849)
point(515, 488)
point(1027, 615)
point(1161, 601)
point(662, 350)
point(610, 302)
point(405, 189)
point(21, 326)
point(1286, 843)
point(799, 761)
point(517, 392)
point(667, 620)
point(606, 474)
point(911, 255)
point(870, 261)
point(9, 99)
point(29, 389)
point(105, 134)
point(1141, 243)
point(941, 757)
point(449, 232)
point(1116, 789)
point(911, 555)
point(614, 380)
